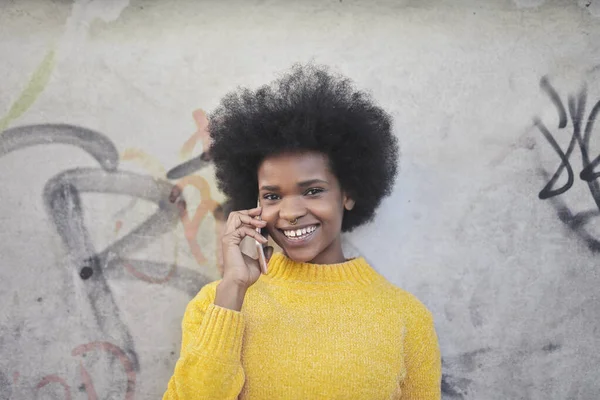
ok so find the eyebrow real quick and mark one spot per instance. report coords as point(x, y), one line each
point(302, 184)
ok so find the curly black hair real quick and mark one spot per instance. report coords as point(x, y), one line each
point(307, 109)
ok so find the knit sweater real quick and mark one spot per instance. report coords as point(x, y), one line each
point(308, 331)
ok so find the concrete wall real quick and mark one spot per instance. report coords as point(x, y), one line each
point(100, 98)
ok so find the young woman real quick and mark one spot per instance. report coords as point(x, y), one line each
point(320, 156)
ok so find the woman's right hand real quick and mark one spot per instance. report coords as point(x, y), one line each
point(239, 269)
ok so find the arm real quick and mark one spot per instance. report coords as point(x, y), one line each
point(209, 366)
point(422, 359)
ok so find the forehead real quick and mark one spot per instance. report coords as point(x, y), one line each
point(294, 167)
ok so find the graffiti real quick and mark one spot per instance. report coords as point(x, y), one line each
point(184, 172)
point(36, 85)
point(582, 127)
point(48, 379)
point(189, 167)
point(199, 162)
point(192, 225)
point(576, 112)
point(118, 354)
point(95, 144)
point(457, 387)
point(92, 267)
point(185, 176)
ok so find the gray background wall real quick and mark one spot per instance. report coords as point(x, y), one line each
point(90, 305)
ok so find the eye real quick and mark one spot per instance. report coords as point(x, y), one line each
point(271, 197)
point(314, 191)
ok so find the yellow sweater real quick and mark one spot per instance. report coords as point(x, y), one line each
point(309, 331)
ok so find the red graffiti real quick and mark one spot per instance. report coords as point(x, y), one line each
point(48, 379)
point(116, 352)
point(147, 278)
point(201, 135)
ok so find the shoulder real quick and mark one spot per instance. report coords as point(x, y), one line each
point(410, 307)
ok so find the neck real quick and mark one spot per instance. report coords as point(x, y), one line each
point(332, 254)
point(328, 259)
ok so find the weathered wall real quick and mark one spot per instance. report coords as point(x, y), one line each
point(101, 98)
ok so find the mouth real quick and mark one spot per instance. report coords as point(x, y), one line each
point(299, 236)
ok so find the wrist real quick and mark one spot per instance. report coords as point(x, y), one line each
point(230, 295)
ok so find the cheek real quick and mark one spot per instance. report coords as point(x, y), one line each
point(329, 212)
point(269, 215)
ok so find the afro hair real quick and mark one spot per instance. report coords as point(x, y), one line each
point(307, 109)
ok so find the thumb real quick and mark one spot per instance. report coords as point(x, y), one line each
point(268, 253)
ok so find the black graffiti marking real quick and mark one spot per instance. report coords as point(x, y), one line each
point(183, 279)
point(553, 94)
point(587, 174)
point(455, 387)
point(89, 180)
point(576, 112)
point(63, 203)
point(547, 191)
point(62, 199)
point(577, 222)
point(96, 144)
point(189, 167)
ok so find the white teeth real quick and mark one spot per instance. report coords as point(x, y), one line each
point(300, 232)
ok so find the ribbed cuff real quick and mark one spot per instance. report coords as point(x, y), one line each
point(221, 333)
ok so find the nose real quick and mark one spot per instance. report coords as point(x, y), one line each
point(292, 208)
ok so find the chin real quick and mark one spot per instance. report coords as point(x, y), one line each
point(301, 255)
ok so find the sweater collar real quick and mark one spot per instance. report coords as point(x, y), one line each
point(353, 271)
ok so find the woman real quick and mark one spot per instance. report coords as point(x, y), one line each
point(320, 156)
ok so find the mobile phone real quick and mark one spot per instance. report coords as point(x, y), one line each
point(262, 260)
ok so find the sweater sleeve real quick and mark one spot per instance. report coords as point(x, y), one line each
point(422, 358)
point(209, 365)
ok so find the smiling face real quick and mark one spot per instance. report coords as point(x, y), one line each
point(300, 188)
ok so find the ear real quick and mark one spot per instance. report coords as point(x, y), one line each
point(348, 203)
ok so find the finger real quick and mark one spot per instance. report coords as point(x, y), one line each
point(253, 212)
point(243, 231)
point(236, 215)
point(248, 220)
point(244, 220)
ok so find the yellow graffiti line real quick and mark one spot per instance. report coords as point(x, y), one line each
point(201, 135)
point(192, 225)
point(148, 162)
point(36, 85)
